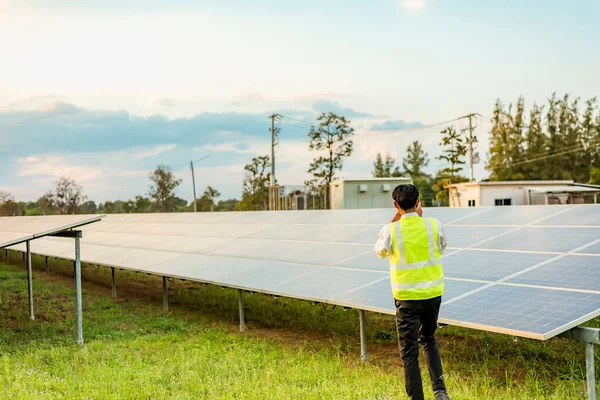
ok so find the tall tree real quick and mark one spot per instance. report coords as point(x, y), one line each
point(66, 198)
point(453, 153)
point(499, 152)
point(516, 139)
point(535, 143)
point(8, 206)
point(207, 201)
point(162, 189)
point(589, 132)
point(554, 143)
point(415, 160)
point(89, 207)
point(334, 136)
point(255, 190)
point(385, 169)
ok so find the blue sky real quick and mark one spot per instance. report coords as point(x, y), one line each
point(104, 91)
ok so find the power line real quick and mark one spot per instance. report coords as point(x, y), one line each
point(551, 152)
point(547, 157)
point(406, 130)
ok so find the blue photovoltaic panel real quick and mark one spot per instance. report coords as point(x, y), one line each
point(582, 215)
point(516, 215)
point(544, 239)
point(522, 311)
point(328, 256)
point(573, 272)
point(465, 236)
point(489, 265)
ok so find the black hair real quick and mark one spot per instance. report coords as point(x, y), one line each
point(406, 196)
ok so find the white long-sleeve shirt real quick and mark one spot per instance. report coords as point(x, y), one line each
point(384, 247)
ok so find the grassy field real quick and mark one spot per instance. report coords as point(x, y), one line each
point(291, 350)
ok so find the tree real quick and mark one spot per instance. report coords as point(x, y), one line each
point(66, 198)
point(334, 136)
point(516, 139)
point(594, 176)
point(415, 160)
point(535, 143)
point(499, 145)
point(453, 153)
point(385, 169)
point(209, 197)
point(255, 190)
point(162, 190)
point(141, 204)
point(89, 207)
point(8, 206)
point(226, 205)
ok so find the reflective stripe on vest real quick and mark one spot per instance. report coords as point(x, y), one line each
point(415, 266)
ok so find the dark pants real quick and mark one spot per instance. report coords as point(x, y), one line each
point(416, 322)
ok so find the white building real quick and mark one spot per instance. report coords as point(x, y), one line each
point(507, 193)
point(364, 193)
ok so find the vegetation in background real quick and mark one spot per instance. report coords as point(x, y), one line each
point(559, 141)
point(387, 168)
point(255, 190)
point(162, 190)
point(207, 201)
point(333, 135)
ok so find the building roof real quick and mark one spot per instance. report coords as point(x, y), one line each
point(516, 183)
point(401, 178)
point(561, 189)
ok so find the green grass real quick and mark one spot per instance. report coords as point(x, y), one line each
point(292, 349)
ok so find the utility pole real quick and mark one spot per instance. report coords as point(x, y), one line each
point(193, 184)
point(473, 157)
point(194, 179)
point(274, 131)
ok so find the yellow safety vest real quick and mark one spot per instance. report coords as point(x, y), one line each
point(415, 266)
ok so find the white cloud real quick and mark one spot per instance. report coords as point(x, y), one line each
point(154, 151)
point(133, 172)
point(413, 5)
point(54, 167)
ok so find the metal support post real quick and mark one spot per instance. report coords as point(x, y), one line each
point(78, 290)
point(591, 374)
point(25, 261)
point(114, 282)
point(165, 294)
point(363, 336)
point(589, 336)
point(241, 306)
point(29, 280)
point(47, 266)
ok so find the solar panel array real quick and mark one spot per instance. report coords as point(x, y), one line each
point(14, 230)
point(529, 271)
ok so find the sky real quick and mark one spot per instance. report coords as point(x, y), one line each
point(105, 91)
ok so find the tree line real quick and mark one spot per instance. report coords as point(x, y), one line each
point(67, 197)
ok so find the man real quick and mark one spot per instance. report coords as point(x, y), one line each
point(414, 246)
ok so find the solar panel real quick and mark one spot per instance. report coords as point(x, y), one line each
point(14, 230)
point(529, 271)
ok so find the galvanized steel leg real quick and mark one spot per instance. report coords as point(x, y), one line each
point(114, 283)
point(165, 298)
point(78, 290)
point(29, 279)
point(363, 336)
point(47, 266)
point(241, 306)
point(591, 374)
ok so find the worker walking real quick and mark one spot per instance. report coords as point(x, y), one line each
point(414, 246)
